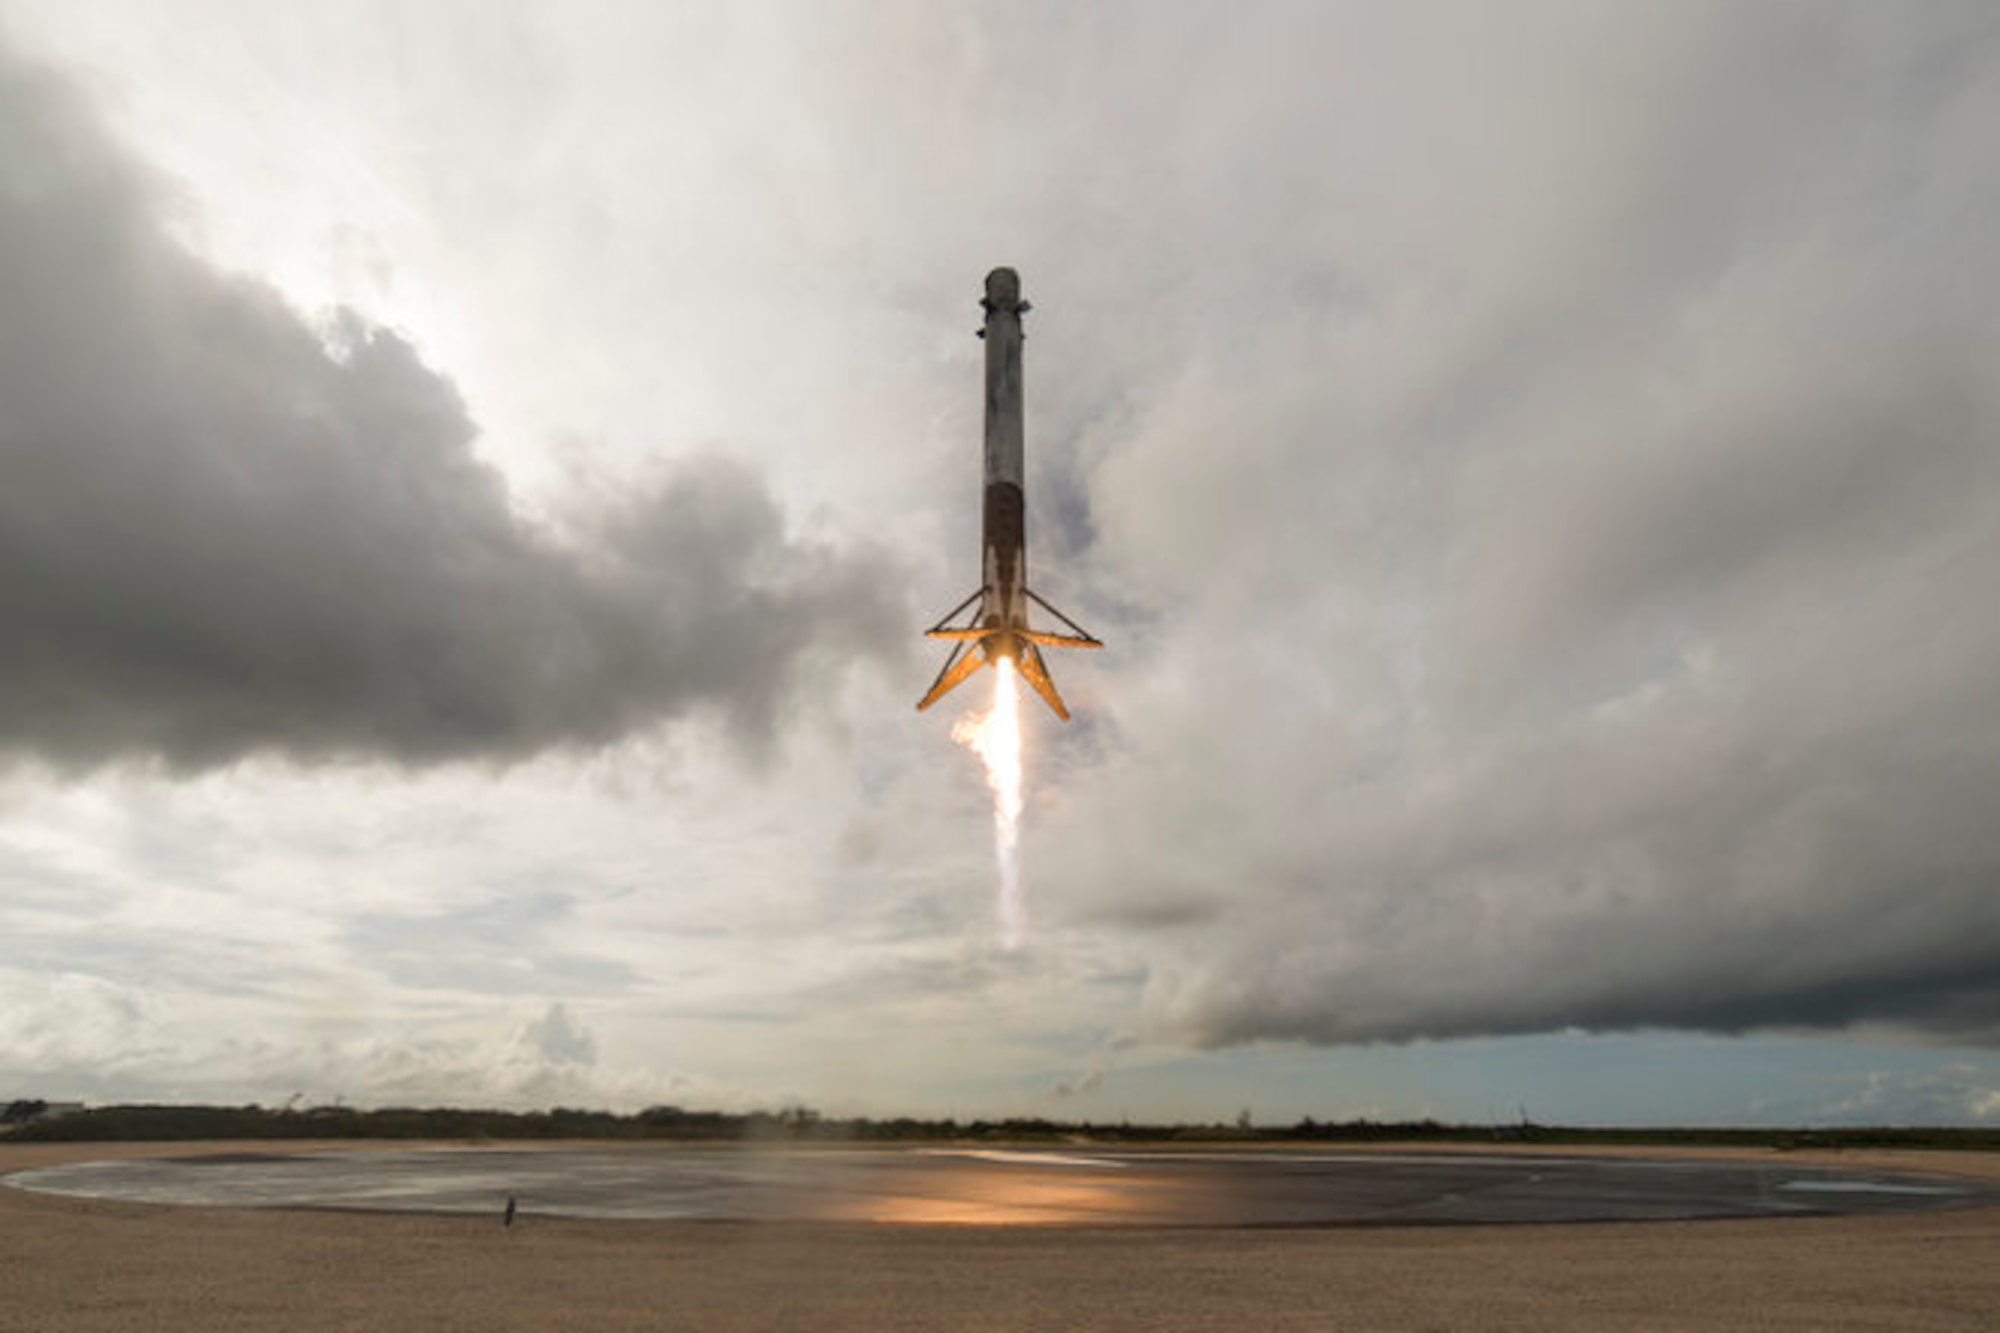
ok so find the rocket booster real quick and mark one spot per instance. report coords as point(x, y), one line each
point(997, 623)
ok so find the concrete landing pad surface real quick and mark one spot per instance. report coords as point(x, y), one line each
point(973, 1186)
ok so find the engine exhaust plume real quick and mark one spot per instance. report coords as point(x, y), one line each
point(995, 736)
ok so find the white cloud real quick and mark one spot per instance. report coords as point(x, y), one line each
point(1533, 472)
point(1955, 1094)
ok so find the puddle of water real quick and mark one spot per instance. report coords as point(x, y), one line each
point(1022, 1158)
point(1865, 1187)
point(1001, 1187)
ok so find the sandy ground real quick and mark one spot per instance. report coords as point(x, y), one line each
point(69, 1264)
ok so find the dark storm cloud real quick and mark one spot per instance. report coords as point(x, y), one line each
point(1589, 623)
point(222, 531)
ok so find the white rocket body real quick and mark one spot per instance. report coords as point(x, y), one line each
point(999, 625)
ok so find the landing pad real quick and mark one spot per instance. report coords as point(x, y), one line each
point(970, 1186)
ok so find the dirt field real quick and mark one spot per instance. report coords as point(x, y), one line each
point(73, 1265)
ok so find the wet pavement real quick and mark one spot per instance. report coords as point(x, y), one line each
point(1217, 1188)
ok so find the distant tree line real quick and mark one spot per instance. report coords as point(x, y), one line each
point(805, 1125)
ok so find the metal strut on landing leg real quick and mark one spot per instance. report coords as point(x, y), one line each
point(1083, 638)
point(944, 625)
point(964, 660)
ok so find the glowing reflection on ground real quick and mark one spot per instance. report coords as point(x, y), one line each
point(990, 1187)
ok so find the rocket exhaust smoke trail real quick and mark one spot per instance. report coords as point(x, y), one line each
point(996, 630)
point(995, 736)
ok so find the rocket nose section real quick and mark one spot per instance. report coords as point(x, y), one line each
point(1003, 288)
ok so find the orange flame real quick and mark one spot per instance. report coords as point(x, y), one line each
point(995, 736)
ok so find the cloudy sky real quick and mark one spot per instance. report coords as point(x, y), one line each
point(472, 476)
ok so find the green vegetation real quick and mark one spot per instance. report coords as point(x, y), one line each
point(801, 1124)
